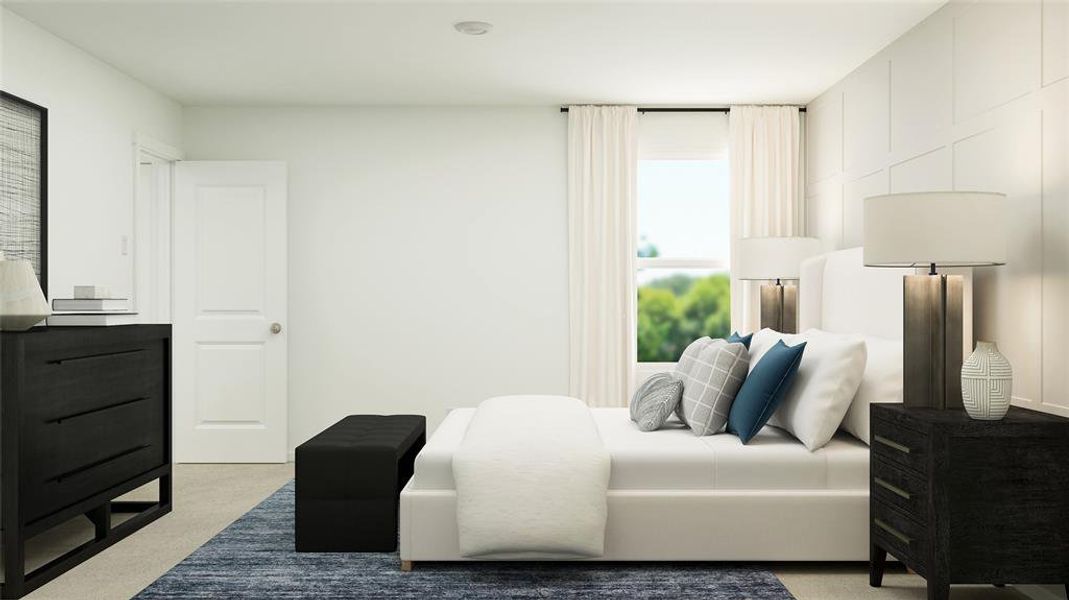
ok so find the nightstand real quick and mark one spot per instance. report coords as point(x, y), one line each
point(964, 501)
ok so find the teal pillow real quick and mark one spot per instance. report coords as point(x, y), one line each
point(764, 388)
point(744, 340)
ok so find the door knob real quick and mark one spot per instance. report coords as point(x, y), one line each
point(276, 328)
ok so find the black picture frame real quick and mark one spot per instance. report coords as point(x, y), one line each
point(43, 182)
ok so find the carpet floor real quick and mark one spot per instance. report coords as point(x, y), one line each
point(254, 558)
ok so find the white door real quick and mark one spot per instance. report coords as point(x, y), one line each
point(229, 376)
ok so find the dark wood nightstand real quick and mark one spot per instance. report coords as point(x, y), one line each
point(964, 501)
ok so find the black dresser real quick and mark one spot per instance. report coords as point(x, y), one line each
point(85, 416)
point(964, 501)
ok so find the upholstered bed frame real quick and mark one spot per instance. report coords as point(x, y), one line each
point(756, 510)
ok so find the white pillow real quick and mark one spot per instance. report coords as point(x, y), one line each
point(882, 382)
point(828, 377)
point(762, 341)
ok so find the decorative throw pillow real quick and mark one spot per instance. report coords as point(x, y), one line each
point(655, 400)
point(763, 340)
point(828, 377)
point(881, 382)
point(685, 363)
point(742, 339)
point(763, 390)
point(711, 377)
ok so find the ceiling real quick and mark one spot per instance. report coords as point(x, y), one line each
point(304, 52)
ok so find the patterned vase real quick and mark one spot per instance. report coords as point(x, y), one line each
point(986, 383)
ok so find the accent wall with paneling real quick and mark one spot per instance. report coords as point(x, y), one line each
point(973, 98)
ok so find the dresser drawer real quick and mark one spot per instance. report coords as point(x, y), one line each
point(903, 537)
point(62, 446)
point(48, 493)
point(900, 445)
point(62, 384)
point(900, 488)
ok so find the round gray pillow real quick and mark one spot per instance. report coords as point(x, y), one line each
point(655, 400)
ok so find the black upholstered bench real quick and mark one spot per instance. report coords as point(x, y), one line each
point(349, 478)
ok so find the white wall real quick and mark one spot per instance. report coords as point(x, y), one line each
point(427, 264)
point(94, 113)
point(974, 98)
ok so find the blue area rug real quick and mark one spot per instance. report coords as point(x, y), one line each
point(254, 558)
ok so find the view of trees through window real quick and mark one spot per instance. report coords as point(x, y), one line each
point(677, 308)
point(684, 290)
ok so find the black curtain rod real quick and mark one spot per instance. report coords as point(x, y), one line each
point(700, 109)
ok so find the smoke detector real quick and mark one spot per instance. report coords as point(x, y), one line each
point(473, 27)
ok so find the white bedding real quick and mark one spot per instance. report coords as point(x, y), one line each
point(674, 459)
point(531, 476)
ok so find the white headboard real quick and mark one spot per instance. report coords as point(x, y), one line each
point(837, 293)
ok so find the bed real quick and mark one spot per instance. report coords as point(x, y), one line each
point(675, 496)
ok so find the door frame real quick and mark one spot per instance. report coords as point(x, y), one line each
point(156, 151)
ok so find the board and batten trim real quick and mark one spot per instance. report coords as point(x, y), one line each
point(997, 129)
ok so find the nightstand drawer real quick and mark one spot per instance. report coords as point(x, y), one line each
point(900, 488)
point(900, 446)
point(903, 537)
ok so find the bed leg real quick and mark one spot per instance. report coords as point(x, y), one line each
point(406, 566)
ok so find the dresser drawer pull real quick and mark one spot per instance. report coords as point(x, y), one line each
point(905, 539)
point(894, 489)
point(59, 478)
point(891, 444)
point(58, 420)
point(60, 361)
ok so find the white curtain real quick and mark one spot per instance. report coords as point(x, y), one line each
point(602, 165)
point(767, 198)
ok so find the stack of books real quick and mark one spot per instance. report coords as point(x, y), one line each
point(91, 311)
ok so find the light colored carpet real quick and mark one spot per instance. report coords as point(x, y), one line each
point(207, 498)
point(210, 497)
point(815, 581)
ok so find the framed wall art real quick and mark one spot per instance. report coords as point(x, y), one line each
point(24, 183)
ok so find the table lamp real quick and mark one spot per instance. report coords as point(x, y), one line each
point(929, 230)
point(775, 259)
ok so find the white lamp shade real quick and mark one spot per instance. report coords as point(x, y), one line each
point(22, 303)
point(950, 229)
point(773, 257)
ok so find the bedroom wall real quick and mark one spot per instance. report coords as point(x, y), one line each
point(427, 263)
point(974, 98)
point(94, 114)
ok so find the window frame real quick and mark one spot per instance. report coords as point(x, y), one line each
point(645, 369)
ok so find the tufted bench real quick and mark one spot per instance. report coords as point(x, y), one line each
point(349, 478)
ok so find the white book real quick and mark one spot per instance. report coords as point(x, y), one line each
point(91, 304)
point(92, 319)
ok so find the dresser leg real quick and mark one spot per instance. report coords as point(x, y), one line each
point(877, 561)
point(14, 563)
point(938, 590)
point(101, 519)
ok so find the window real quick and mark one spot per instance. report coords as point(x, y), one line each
point(684, 290)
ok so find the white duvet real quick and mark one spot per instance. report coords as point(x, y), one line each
point(531, 478)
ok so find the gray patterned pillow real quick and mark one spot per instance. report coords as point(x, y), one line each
point(711, 377)
point(654, 400)
point(685, 363)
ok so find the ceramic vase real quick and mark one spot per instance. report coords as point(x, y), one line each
point(22, 303)
point(986, 383)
